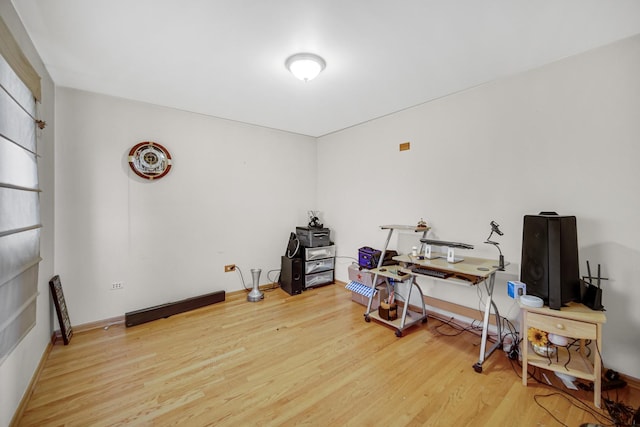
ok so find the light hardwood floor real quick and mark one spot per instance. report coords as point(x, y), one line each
point(287, 360)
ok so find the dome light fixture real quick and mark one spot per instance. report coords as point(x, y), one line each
point(305, 66)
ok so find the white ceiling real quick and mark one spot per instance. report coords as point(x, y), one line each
point(225, 58)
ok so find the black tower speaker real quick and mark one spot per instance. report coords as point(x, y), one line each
point(549, 265)
point(291, 275)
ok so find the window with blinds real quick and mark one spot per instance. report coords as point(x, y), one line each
point(19, 210)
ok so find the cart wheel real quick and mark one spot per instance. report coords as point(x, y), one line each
point(425, 319)
point(367, 319)
point(398, 333)
point(478, 368)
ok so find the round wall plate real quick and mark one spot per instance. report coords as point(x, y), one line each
point(150, 160)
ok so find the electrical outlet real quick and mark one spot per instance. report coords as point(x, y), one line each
point(117, 285)
point(229, 267)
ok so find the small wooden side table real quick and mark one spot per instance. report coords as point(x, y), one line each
point(574, 321)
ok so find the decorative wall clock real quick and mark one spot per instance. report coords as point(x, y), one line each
point(150, 160)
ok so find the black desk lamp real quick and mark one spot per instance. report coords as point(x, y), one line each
point(495, 228)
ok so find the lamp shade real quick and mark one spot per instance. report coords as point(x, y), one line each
point(305, 66)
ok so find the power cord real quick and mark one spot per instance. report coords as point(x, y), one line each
point(348, 257)
point(239, 270)
point(277, 277)
point(473, 328)
point(600, 418)
point(275, 282)
point(620, 414)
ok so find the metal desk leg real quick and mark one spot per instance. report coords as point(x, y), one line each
point(375, 276)
point(373, 291)
point(485, 326)
point(406, 303)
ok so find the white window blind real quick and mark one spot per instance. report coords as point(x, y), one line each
point(19, 210)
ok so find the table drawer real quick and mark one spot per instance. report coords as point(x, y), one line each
point(319, 265)
point(318, 279)
point(311, 254)
point(559, 326)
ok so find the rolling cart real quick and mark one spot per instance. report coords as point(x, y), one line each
point(394, 276)
point(391, 275)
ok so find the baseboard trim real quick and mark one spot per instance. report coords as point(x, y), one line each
point(86, 327)
point(458, 309)
point(273, 286)
point(631, 381)
point(26, 397)
point(120, 320)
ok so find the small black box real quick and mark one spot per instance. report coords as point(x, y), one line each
point(592, 297)
point(291, 275)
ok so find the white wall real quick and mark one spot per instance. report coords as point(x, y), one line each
point(17, 370)
point(560, 138)
point(234, 193)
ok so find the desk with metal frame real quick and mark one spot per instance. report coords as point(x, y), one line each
point(391, 275)
point(469, 271)
point(409, 317)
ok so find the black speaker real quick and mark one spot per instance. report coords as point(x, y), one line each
point(291, 275)
point(549, 264)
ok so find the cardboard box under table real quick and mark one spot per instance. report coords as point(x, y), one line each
point(364, 276)
point(361, 284)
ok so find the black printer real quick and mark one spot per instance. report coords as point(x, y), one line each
point(312, 237)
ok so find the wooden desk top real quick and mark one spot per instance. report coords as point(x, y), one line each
point(573, 310)
point(391, 272)
point(478, 267)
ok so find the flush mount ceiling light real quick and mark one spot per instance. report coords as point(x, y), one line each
point(305, 66)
